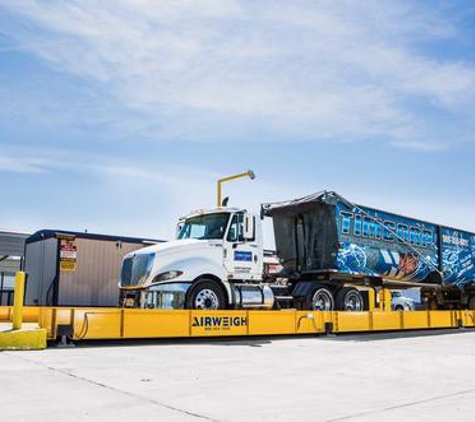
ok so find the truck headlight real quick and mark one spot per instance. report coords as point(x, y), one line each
point(168, 275)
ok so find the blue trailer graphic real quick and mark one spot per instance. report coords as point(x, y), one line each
point(386, 245)
point(380, 244)
point(324, 232)
point(458, 256)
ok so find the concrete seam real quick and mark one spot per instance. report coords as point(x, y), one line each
point(124, 392)
point(400, 406)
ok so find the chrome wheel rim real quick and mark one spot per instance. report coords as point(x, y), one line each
point(353, 302)
point(322, 301)
point(206, 299)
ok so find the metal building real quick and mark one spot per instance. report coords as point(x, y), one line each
point(75, 269)
point(12, 248)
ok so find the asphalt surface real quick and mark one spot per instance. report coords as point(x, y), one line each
point(411, 376)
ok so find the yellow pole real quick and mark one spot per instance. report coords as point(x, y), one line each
point(389, 300)
point(248, 173)
point(371, 299)
point(385, 299)
point(18, 300)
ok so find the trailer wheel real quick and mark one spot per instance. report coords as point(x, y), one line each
point(349, 299)
point(320, 299)
point(205, 294)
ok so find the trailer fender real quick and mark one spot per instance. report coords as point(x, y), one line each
point(303, 288)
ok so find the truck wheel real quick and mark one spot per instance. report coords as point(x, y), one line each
point(320, 299)
point(349, 299)
point(205, 294)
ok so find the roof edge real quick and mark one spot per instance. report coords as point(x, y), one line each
point(52, 233)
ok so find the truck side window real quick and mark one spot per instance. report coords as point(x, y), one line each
point(233, 234)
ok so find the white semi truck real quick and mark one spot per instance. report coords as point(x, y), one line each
point(331, 251)
point(216, 262)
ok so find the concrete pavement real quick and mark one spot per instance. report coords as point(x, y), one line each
point(387, 377)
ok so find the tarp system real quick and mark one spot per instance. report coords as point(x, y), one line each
point(306, 232)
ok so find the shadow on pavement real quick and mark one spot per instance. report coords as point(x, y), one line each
point(393, 335)
point(259, 341)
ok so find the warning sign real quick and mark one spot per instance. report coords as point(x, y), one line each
point(67, 256)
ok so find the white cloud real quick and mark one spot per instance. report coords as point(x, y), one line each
point(223, 70)
point(25, 165)
point(120, 196)
point(423, 146)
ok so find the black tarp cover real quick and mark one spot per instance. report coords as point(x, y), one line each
point(305, 232)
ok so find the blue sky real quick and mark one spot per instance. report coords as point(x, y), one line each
point(119, 116)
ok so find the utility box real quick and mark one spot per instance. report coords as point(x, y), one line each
point(75, 269)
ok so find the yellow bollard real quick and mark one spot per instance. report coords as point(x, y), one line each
point(385, 299)
point(18, 297)
point(371, 299)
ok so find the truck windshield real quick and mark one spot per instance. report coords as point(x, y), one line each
point(207, 226)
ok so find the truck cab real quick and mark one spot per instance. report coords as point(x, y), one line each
point(400, 302)
point(215, 262)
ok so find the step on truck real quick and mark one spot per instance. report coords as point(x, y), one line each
point(331, 253)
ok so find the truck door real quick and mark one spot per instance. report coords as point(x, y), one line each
point(243, 257)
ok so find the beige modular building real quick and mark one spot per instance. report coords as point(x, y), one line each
point(67, 268)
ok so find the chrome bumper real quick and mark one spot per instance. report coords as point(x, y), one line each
point(165, 296)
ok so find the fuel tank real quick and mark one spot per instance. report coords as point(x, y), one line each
point(253, 296)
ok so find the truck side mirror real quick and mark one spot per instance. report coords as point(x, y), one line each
point(248, 230)
point(179, 226)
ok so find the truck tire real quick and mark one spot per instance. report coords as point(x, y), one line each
point(349, 299)
point(205, 294)
point(320, 298)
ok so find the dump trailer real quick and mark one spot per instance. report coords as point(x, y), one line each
point(326, 238)
point(333, 253)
